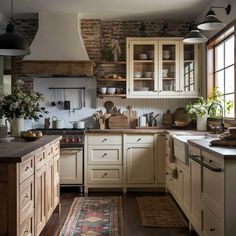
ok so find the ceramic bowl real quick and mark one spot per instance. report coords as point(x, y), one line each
point(148, 74)
point(102, 90)
point(111, 90)
point(166, 54)
point(143, 56)
point(138, 74)
point(164, 73)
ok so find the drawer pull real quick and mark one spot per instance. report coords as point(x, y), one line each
point(41, 159)
point(180, 171)
point(212, 229)
point(139, 139)
point(104, 140)
point(27, 167)
point(26, 195)
point(104, 175)
point(105, 154)
point(26, 231)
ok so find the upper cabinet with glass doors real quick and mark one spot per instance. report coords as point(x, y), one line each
point(161, 67)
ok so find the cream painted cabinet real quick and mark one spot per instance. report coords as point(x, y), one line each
point(161, 67)
point(71, 171)
point(140, 164)
point(103, 161)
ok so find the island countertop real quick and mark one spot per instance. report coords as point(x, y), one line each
point(222, 152)
point(18, 151)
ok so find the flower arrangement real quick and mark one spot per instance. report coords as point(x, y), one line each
point(201, 106)
point(21, 104)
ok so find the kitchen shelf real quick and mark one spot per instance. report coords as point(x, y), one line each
point(168, 78)
point(112, 95)
point(168, 61)
point(139, 79)
point(112, 62)
point(112, 80)
point(143, 61)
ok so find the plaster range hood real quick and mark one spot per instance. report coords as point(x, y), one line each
point(58, 48)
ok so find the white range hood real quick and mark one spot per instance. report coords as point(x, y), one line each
point(58, 38)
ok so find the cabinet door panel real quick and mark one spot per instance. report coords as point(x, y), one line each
point(71, 163)
point(140, 164)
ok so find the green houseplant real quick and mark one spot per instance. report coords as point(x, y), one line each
point(199, 109)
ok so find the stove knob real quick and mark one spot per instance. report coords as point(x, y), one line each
point(79, 140)
point(72, 140)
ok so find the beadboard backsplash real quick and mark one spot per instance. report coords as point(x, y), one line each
point(92, 103)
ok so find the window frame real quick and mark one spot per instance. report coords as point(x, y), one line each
point(216, 40)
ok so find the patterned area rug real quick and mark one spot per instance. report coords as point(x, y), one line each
point(160, 211)
point(94, 216)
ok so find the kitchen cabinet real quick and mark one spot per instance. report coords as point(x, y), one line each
point(103, 161)
point(26, 184)
point(71, 162)
point(124, 161)
point(215, 193)
point(161, 67)
point(144, 160)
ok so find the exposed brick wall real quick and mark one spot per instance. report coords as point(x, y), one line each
point(98, 34)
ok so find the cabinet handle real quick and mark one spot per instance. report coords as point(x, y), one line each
point(155, 91)
point(104, 175)
point(212, 229)
point(41, 159)
point(104, 154)
point(27, 167)
point(160, 91)
point(180, 171)
point(139, 139)
point(104, 140)
point(128, 148)
point(26, 195)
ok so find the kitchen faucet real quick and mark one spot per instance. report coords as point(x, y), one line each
point(221, 126)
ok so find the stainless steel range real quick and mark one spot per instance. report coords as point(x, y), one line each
point(72, 155)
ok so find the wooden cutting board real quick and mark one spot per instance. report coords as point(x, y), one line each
point(220, 142)
point(118, 122)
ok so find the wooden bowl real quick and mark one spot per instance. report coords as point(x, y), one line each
point(30, 139)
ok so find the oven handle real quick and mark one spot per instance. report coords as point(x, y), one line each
point(196, 159)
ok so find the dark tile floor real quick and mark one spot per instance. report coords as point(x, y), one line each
point(132, 220)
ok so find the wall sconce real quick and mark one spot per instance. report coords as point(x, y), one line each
point(211, 22)
point(194, 36)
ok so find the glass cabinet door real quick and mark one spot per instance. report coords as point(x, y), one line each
point(169, 64)
point(188, 85)
point(143, 64)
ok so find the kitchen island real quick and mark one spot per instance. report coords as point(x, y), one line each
point(29, 184)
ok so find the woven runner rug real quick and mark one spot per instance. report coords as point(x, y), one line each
point(94, 216)
point(160, 211)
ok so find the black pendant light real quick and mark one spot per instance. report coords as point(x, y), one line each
point(194, 36)
point(211, 22)
point(12, 43)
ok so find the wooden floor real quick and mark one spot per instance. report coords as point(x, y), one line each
point(132, 221)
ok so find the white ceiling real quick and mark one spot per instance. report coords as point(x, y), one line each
point(113, 9)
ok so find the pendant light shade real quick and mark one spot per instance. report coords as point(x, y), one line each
point(195, 36)
point(11, 43)
point(211, 22)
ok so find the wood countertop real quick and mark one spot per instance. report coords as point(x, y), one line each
point(145, 131)
point(18, 151)
point(222, 152)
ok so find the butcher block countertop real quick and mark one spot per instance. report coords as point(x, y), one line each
point(222, 152)
point(20, 150)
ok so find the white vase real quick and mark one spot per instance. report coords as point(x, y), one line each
point(17, 125)
point(201, 123)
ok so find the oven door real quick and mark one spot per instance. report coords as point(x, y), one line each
point(71, 166)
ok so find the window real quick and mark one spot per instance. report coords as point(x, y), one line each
point(221, 66)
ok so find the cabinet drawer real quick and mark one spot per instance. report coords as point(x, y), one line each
point(49, 152)
point(27, 226)
point(40, 160)
point(108, 155)
point(104, 175)
point(210, 224)
point(149, 139)
point(26, 169)
point(105, 139)
point(56, 149)
point(194, 151)
point(26, 197)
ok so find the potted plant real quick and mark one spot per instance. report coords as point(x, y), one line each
point(199, 110)
point(20, 105)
